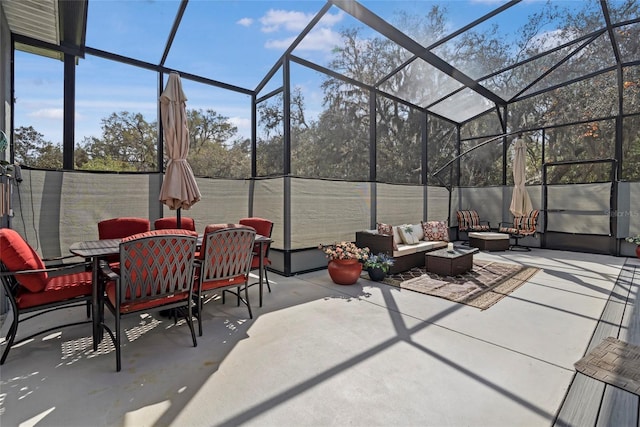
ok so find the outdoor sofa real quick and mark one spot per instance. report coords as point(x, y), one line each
point(406, 243)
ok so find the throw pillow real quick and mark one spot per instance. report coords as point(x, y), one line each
point(388, 230)
point(385, 229)
point(435, 230)
point(397, 239)
point(419, 230)
point(409, 234)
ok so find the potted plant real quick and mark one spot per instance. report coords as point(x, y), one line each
point(378, 266)
point(636, 241)
point(345, 261)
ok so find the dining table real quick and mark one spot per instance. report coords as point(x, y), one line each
point(97, 250)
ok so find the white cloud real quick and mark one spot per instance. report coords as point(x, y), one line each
point(243, 125)
point(322, 39)
point(240, 122)
point(48, 113)
point(290, 20)
point(279, 43)
point(245, 22)
point(329, 20)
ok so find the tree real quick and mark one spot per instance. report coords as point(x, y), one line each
point(213, 151)
point(127, 139)
point(128, 143)
point(32, 150)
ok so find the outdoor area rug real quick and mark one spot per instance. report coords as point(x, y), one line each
point(481, 287)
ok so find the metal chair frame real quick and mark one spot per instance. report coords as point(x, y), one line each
point(224, 265)
point(11, 287)
point(156, 272)
point(257, 247)
point(520, 233)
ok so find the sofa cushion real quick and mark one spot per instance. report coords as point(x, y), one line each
point(417, 228)
point(409, 234)
point(424, 245)
point(405, 250)
point(435, 230)
point(389, 230)
point(386, 229)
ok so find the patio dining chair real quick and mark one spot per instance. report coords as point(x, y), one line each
point(264, 227)
point(224, 264)
point(522, 226)
point(33, 289)
point(171, 222)
point(119, 228)
point(156, 272)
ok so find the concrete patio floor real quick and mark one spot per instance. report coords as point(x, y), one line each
point(320, 354)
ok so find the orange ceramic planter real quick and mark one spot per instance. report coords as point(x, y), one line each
point(344, 271)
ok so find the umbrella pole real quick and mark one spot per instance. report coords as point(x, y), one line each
point(179, 217)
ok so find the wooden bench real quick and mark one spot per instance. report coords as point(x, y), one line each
point(590, 402)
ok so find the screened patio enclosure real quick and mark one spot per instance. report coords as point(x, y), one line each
point(370, 112)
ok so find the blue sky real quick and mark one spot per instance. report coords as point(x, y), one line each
point(233, 41)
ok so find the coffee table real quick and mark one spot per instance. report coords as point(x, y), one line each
point(446, 263)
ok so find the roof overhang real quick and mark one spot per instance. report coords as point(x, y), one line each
point(54, 23)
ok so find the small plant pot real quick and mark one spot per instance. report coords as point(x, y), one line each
point(376, 274)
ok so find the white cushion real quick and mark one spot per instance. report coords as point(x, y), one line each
point(396, 235)
point(488, 236)
point(427, 245)
point(404, 250)
point(409, 234)
point(419, 231)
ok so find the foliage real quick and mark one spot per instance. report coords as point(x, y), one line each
point(379, 260)
point(335, 141)
point(633, 239)
point(344, 250)
point(126, 138)
point(31, 149)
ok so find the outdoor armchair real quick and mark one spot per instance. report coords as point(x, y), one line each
point(521, 226)
point(224, 264)
point(32, 291)
point(156, 272)
point(469, 220)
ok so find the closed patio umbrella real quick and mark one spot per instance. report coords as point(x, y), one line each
point(179, 188)
point(520, 201)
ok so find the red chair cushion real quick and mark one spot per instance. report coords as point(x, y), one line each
point(255, 262)
point(16, 255)
point(160, 233)
point(142, 304)
point(117, 228)
point(214, 284)
point(261, 225)
point(172, 223)
point(58, 288)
